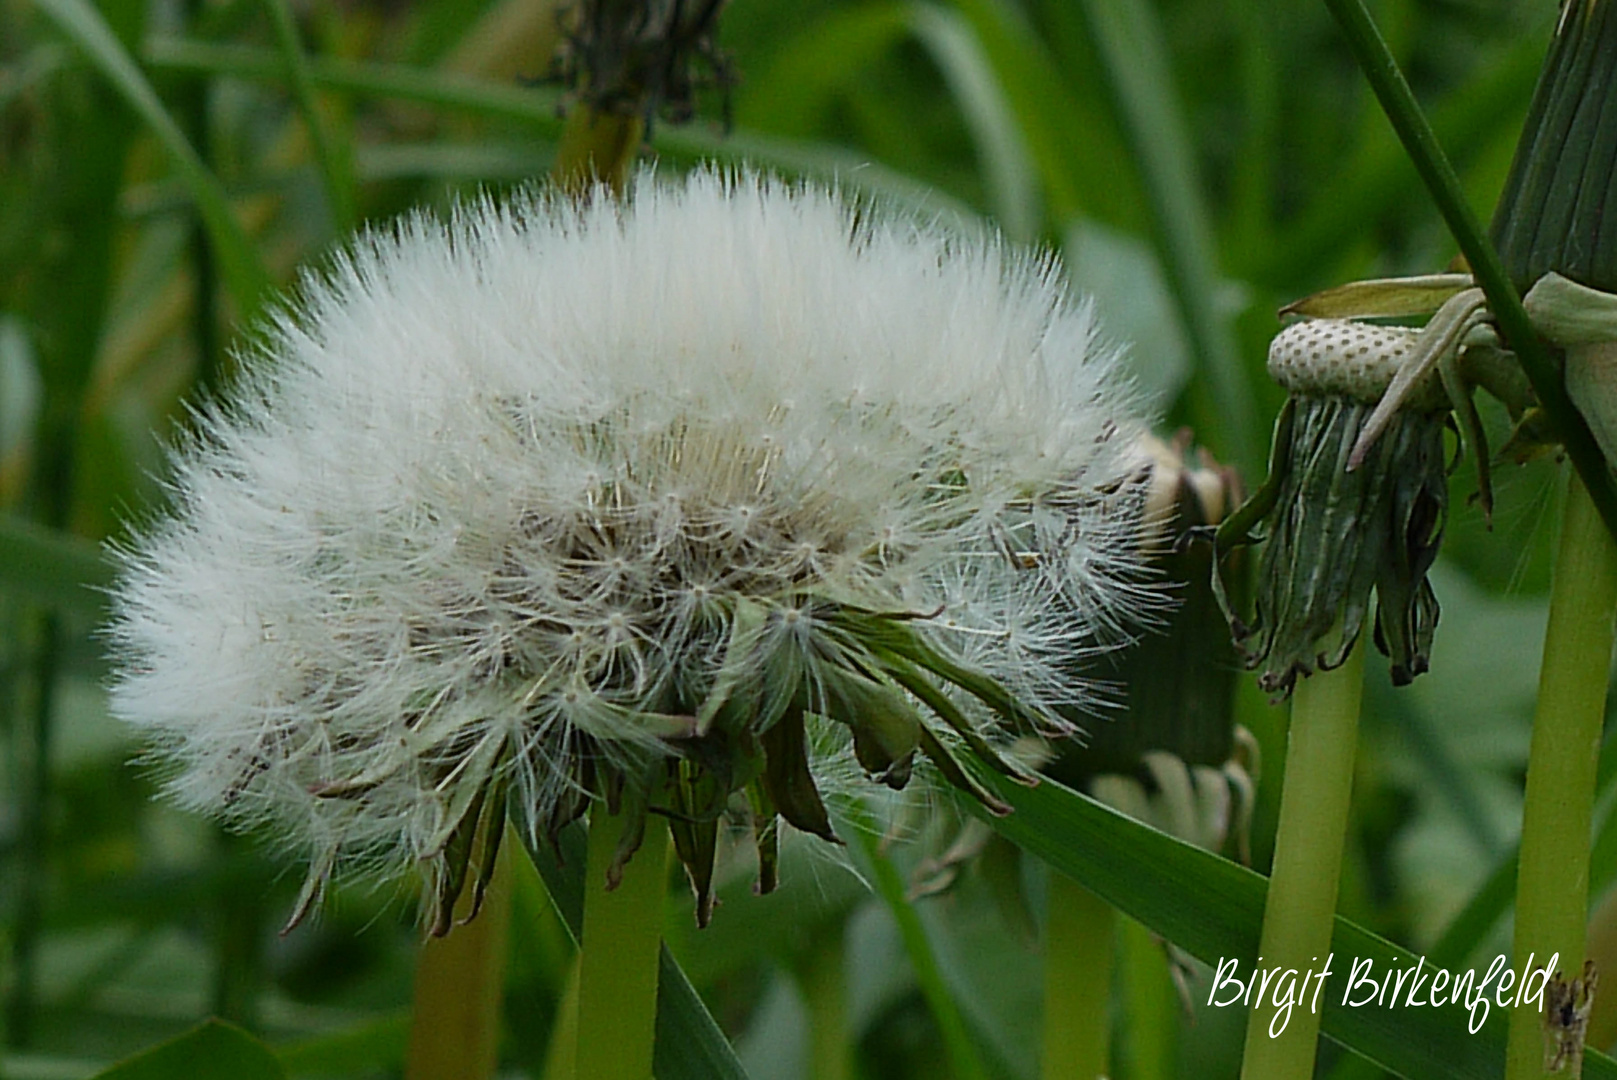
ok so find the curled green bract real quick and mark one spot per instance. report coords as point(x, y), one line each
point(1334, 534)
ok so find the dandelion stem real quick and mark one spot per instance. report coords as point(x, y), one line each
point(459, 986)
point(1298, 916)
point(596, 147)
point(1552, 891)
point(1150, 1003)
point(561, 1058)
point(1079, 940)
point(822, 976)
point(617, 978)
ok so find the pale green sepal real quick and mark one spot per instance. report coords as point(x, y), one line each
point(1582, 321)
point(1571, 314)
point(1381, 297)
point(1591, 383)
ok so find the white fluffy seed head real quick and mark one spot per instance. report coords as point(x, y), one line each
point(482, 496)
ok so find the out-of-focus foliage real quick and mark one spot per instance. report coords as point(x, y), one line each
point(1200, 161)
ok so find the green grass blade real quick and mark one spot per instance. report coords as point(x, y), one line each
point(242, 268)
point(1129, 41)
point(1398, 101)
point(1213, 909)
point(1076, 154)
point(690, 1045)
point(1379, 176)
point(964, 1061)
point(336, 167)
point(533, 106)
point(1002, 155)
point(52, 567)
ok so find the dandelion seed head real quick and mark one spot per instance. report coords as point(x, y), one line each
point(494, 499)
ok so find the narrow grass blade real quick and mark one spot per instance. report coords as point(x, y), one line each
point(242, 268)
point(1398, 101)
point(1002, 154)
point(1129, 41)
point(336, 166)
point(535, 106)
point(1077, 156)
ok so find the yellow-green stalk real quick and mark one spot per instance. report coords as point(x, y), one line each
point(617, 976)
point(597, 148)
point(1549, 222)
point(1079, 950)
point(459, 983)
point(628, 62)
point(1176, 741)
point(1298, 916)
point(1552, 891)
point(822, 978)
point(1347, 511)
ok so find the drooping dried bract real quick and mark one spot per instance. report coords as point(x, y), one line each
point(554, 504)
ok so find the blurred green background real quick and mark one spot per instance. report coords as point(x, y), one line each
point(1197, 162)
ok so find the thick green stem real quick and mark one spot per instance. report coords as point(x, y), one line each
point(822, 976)
point(1150, 1004)
point(1079, 940)
point(596, 148)
point(1552, 891)
point(1298, 916)
point(561, 1058)
point(459, 986)
point(617, 979)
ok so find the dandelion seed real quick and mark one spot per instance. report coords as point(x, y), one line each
point(553, 503)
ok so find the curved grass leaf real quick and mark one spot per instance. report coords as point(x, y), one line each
point(1213, 909)
point(689, 1045)
point(535, 108)
point(1002, 155)
point(1077, 157)
point(214, 1050)
point(336, 168)
point(243, 270)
